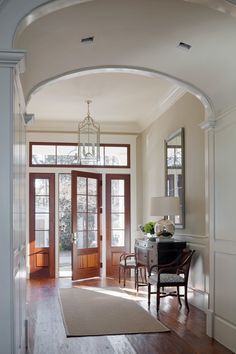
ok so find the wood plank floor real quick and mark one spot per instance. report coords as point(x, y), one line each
point(47, 334)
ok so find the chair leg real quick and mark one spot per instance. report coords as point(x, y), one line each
point(145, 274)
point(158, 297)
point(119, 275)
point(124, 276)
point(149, 294)
point(178, 295)
point(186, 296)
point(136, 279)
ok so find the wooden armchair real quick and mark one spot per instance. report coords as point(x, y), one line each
point(174, 274)
point(127, 262)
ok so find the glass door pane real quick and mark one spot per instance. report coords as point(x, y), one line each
point(87, 212)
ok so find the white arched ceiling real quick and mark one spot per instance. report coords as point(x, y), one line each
point(123, 99)
point(140, 34)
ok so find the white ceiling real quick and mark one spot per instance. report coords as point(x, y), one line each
point(140, 34)
point(131, 101)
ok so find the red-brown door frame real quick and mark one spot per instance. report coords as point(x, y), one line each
point(113, 253)
point(42, 260)
point(85, 262)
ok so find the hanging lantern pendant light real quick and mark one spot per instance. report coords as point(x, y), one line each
point(88, 139)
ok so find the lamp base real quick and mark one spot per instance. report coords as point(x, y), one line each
point(164, 228)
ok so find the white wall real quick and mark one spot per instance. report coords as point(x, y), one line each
point(188, 113)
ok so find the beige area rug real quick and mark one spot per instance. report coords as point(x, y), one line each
point(92, 313)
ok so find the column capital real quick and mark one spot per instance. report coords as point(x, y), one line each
point(11, 58)
point(209, 124)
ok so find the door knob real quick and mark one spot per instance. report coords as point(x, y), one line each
point(74, 237)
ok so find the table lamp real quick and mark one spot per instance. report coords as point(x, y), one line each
point(165, 206)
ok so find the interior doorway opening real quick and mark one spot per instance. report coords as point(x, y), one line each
point(64, 208)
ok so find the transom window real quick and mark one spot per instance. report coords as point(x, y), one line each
point(66, 155)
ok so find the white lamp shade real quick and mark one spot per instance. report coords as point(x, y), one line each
point(163, 206)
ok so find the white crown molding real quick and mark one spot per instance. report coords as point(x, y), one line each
point(72, 126)
point(225, 113)
point(165, 104)
point(12, 58)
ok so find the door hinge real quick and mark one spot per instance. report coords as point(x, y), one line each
point(100, 237)
point(100, 264)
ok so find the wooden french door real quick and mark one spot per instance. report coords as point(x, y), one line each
point(86, 224)
point(42, 225)
point(117, 220)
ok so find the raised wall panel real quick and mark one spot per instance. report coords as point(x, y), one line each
point(224, 241)
point(225, 289)
point(225, 186)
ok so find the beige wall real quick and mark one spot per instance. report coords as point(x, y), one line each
point(188, 112)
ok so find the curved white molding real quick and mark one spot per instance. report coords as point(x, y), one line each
point(43, 10)
point(206, 101)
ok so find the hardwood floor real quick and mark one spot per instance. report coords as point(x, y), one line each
point(47, 334)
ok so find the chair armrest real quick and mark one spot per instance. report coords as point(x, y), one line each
point(126, 256)
point(175, 263)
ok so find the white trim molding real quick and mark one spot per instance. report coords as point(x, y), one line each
point(208, 124)
point(12, 58)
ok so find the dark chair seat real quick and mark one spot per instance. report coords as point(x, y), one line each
point(167, 279)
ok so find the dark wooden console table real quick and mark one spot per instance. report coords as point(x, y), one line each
point(159, 252)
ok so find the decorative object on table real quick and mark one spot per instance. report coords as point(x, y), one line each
point(148, 228)
point(164, 206)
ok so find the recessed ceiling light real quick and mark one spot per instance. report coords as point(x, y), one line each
point(88, 39)
point(184, 46)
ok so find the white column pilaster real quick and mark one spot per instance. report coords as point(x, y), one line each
point(208, 126)
point(10, 61)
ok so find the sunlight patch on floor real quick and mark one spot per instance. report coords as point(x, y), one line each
point(114, 292)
